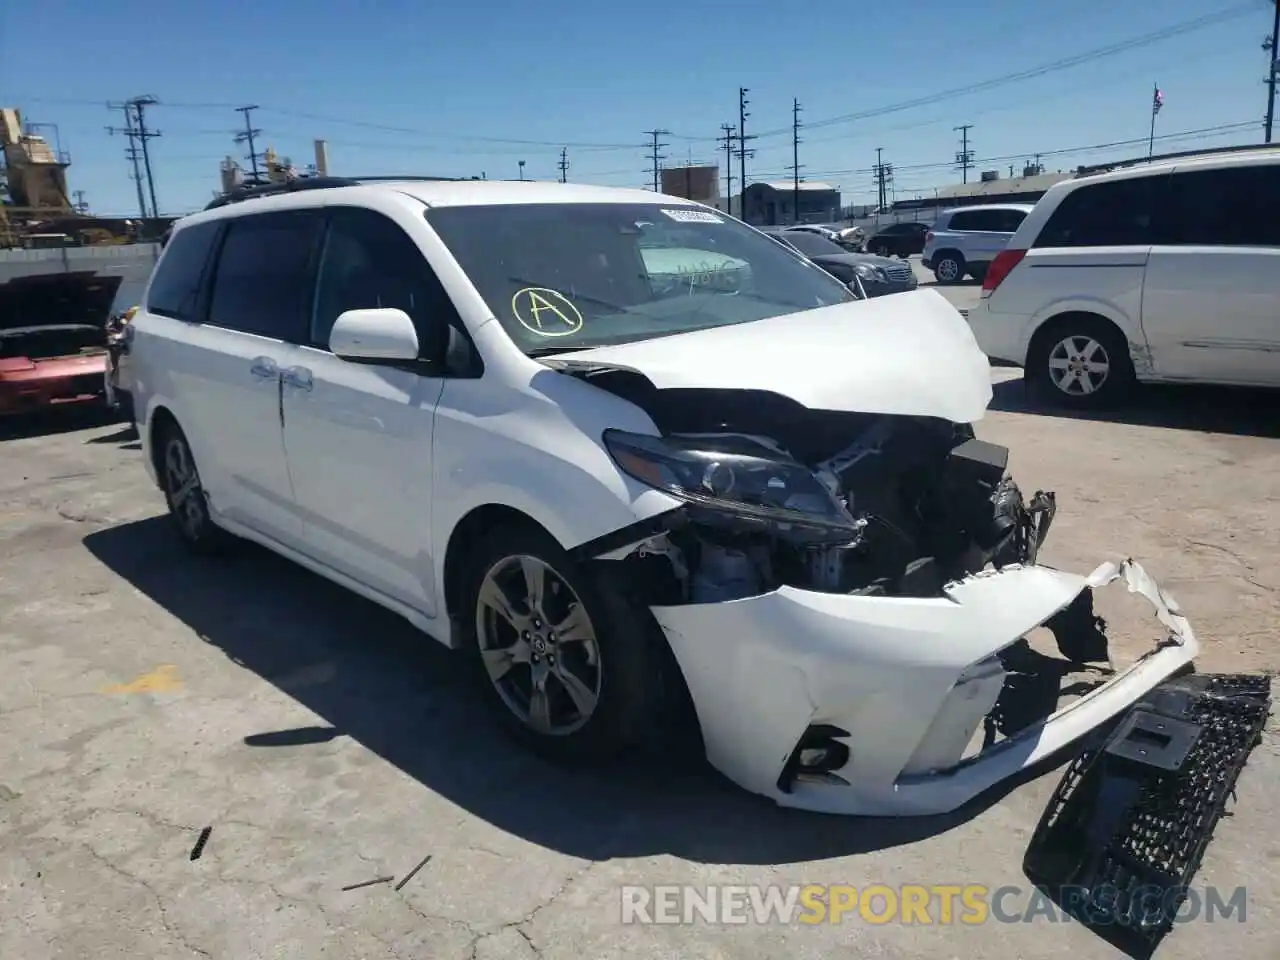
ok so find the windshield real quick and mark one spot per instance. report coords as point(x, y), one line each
point(812, 245)
point(563, 276)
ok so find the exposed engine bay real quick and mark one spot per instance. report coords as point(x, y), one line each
point(778, 494)
point(49, 341)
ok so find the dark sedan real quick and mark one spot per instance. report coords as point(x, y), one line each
point(877, 275)
point(899, 240)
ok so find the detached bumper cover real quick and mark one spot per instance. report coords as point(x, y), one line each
point(903, 676)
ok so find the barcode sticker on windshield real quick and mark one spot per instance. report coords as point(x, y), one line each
point(689, 215)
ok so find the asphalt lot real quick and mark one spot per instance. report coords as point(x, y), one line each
point(145, 695)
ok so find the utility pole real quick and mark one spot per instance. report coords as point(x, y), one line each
point(964, 159)
point(81, 206)
point(521, 163)
point(564, 164)
point(728, 129)
point(742, 139)
point(131, 152)
point(247, 136)
point(884, 177)
point(1272, 46)
point(656, 156)
point(795, 160)
point(139, 106)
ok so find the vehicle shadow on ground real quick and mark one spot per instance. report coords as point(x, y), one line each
point(48, 423)
point(370, 676)
point(1231, 410)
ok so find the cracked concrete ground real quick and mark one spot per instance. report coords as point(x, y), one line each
point(145, 695)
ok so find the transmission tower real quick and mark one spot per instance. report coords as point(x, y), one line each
point(742, 139)
point(964, 158)
point(247, 136)
point(131, 152)
point(656, 156)
point(795, 160)
point(729, 130)
point(884, 177)
point(564, 164)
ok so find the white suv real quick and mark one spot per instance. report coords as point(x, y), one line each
point(966, 240)
point(1168, 271)
point(626, 453)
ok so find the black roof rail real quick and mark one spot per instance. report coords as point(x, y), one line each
point(1180, 155)
point(255, 190)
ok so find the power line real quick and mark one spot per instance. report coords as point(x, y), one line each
point(656, 156)
point(1064, 63)
point(964, 159)
point(564, 164)
point(795, 160)
point(728, 130)
point(247, 136)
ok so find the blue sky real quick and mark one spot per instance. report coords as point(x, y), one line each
point(461, 88)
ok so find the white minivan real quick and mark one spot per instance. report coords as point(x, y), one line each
point(1156, 272)
point(628, 455)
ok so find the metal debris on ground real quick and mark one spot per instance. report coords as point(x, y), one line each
point(368, 883)
point(201, 840)
point(1128, 826)
point(409, 876)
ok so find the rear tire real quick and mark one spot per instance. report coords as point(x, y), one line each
point(572, 670)
point(1079, 362)
point(948, 267)
point(183, 492)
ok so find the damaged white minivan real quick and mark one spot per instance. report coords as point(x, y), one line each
point(627, 453)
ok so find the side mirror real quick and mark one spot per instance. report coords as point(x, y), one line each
point(382, 333)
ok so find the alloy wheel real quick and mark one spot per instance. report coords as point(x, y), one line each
point(182, 483)
point(538, 645)
point(1079, 365)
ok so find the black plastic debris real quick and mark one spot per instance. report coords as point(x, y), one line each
point(410, 875)
point(201, 840)
point(1128, 826)
point(367, 883)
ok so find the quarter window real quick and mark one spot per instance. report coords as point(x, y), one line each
point(263, 282)
point(1113, 213)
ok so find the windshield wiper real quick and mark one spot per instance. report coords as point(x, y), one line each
point(537, 352)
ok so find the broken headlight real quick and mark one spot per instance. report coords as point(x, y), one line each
point(734, 475)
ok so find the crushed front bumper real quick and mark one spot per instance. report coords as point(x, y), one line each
point(902, 683)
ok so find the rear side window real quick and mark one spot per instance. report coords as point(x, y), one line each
point(175, 289)
point(1008, 221)
point(263, 282)
point(1230, 207)
point(981, 220)
point(1114, 213)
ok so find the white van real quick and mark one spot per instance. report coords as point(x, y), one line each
point(1165, 271)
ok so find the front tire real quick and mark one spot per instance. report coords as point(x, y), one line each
point(1080, 362)
point(569, 668)
point(183, 492)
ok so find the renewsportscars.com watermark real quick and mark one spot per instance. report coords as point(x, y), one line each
point(921, 904)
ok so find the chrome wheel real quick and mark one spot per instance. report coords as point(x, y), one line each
point(182, 486)
point(538, 645)
point(1079, 365)
point(947, 270)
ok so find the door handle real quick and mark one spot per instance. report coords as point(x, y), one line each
point(264, 368)
point(297, 377)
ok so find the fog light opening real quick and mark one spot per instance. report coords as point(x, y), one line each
point(816, 757)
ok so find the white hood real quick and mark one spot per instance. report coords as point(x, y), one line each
point(909, 354)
